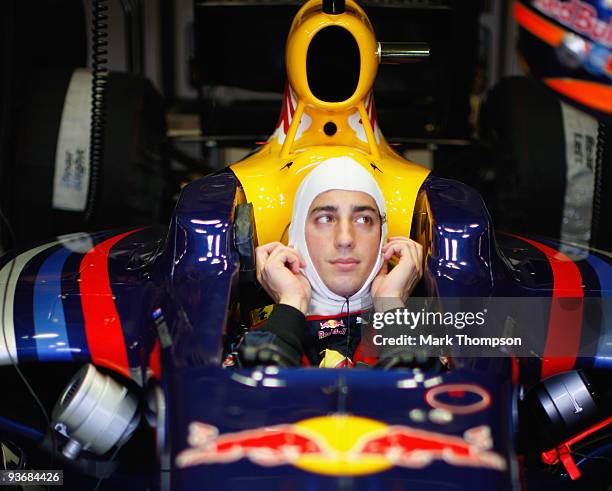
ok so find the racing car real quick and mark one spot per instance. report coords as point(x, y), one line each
point(113, 343)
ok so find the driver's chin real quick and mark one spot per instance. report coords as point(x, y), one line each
point(343, 287)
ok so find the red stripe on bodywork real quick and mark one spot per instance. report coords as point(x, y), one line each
point(155, 360)
point(102, 324)
point(287, 110)
point(371, 110)
point(565, 320)
point(516, 370)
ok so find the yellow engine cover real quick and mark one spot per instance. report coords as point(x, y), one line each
point(271, 176)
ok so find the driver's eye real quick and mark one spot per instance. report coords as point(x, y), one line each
point(324, 219)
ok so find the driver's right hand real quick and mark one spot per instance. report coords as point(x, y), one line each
point(278, 272)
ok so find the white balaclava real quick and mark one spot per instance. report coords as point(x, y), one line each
point(345, 174)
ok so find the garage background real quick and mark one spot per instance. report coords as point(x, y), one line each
point(189, 92)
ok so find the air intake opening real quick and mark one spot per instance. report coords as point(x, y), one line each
point(70, 393)
point(333, 64)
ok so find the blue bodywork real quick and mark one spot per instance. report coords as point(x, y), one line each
point(176, 290)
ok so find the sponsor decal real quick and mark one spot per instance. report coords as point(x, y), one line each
point(260, 315)
point(340, 445)
point(71, 174)
point(335, 359)
point(579, 16)
point(339, 332)
point(460, 398)
point(331, 324)
point(330, 327)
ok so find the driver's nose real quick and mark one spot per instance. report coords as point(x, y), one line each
point(345, 235)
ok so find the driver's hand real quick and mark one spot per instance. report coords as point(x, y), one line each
point(278, 271)
point(401, 280)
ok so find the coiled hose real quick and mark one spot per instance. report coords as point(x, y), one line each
point(603, 153)
point(99, 53)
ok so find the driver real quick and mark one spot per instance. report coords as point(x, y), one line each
point(334, 271)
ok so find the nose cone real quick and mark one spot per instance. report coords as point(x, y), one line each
point(294, 429)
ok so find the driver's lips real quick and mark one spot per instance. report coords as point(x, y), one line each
point(345, 264)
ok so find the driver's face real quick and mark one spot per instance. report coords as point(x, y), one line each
point(343, 236)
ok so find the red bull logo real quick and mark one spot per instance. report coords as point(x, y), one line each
point(340, 445)
point(330, 327)
point(332, 324)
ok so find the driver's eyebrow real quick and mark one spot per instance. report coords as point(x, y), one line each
point(329, 208)
point(360, 208)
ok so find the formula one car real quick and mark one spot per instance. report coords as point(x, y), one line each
point(121, 336)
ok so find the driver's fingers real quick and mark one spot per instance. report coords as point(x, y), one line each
point(405, 249)
point(417, 251)
point(401, 239)
point(262, 253)
point(392, 249)
point(395, 248)
point(299, 255)
point(414, 250)
point(287, 257)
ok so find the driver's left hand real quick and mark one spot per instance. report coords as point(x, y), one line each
point(401, 280)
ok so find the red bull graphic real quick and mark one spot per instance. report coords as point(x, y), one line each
point(340, 445)
point(289, 108)
point(273, 445)
point(287, 112)
point(332, 324)
point(330, 327)
point(580, 16)
point(357, 125)
point(410, 447)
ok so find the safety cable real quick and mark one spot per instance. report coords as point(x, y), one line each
point(348, 328)
point(591, 457)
